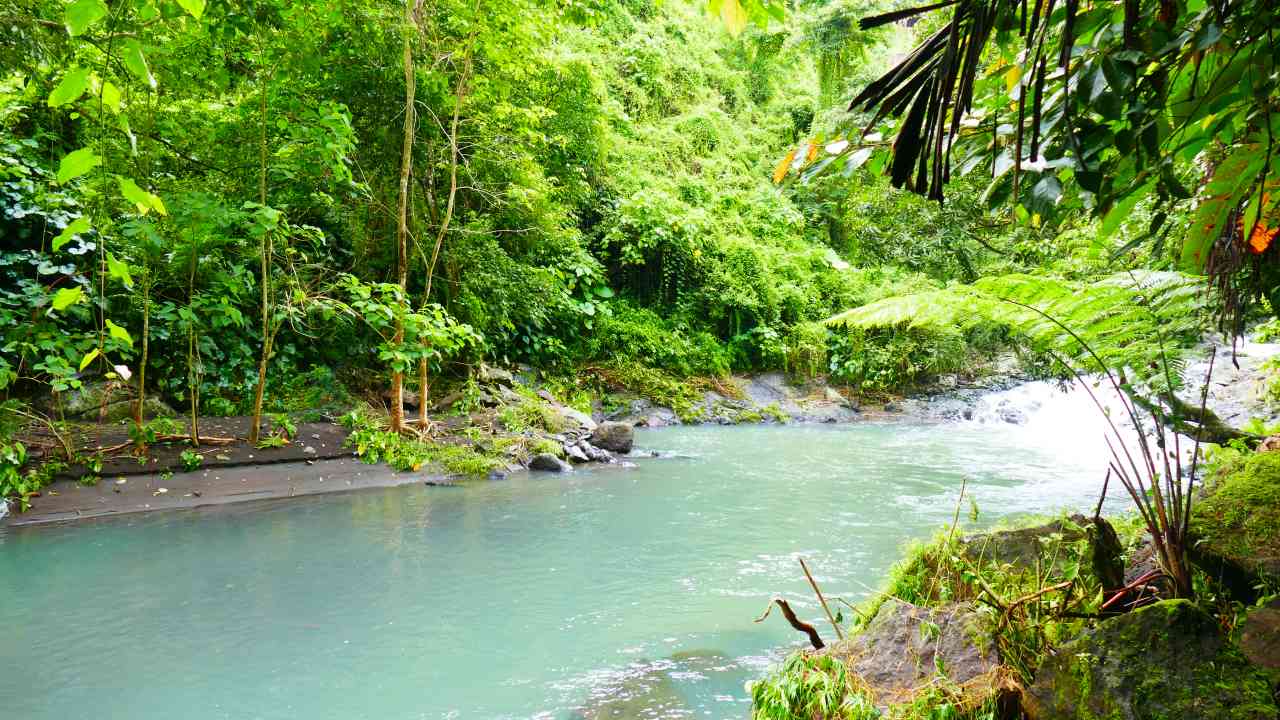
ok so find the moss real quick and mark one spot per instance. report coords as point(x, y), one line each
point(1240, 517)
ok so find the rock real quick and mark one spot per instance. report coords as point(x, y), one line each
point(1260, 639)
point(577, 416)
point(1235, 528)
point(408, 397)
point(615, 436)
point(549, 463)
point(832, 396)
point(900, 650)
point(546, 395)
point(596, 454)
point(123, 410)
point(575, 453)
point(113, 399)
point(1167, 660)
point(308, 450)
point(494, 376)
point(1027, 548)
point(892, 407)
point(447, 401)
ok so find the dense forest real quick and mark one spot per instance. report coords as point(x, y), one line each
point(478, 235)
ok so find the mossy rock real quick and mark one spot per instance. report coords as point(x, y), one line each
point(1090, 542)
point(1236, 526)
point(1260, 639)
point(906, 649)
point(1166, 661)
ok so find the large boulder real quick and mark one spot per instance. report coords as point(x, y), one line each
point(614, 436)
point(110, 400)
point(1260, 639)
point(905, 647)
point(1235, 527)
point(1091, 542)
point(1164, 661)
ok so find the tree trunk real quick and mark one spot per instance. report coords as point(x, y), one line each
point(138, 403)
point(402, 212)
point(459, 95)
point(255, 424)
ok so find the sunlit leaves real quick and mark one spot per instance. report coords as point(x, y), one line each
point(75, 164)
point(88, 358)
point(78, 226)
point(136, 62)
point(66, 297)
point(73, 84)
point(111, 99)
point(736, 13)
point(144, 201)
point(119, 333)
point(195, 7)
point(119, 271)
point(82, 14)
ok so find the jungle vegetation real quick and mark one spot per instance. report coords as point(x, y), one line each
point(226, 205)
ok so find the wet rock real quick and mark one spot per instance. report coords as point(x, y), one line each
point(1260, 639)
point(900, 650)
point(615, 436)
point(575, 453)
point(892, 407)
point(549, 463)
point(1026, 549)
point(308, 450)
point(1167, 660)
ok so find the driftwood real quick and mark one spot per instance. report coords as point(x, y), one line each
point(814, 638)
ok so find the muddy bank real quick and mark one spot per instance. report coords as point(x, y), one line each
point(112, 496)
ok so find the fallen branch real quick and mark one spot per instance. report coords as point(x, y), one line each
point(813, 584)
point(814, 638)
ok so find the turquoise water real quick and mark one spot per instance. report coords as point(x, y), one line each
point(600, 593)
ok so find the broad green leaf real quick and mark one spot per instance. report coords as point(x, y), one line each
point(141, 199)
point(88, 358)
point(133, 59)
point(70, 88)
point(731, 13)
point(75, 164)
point(111, 96)
point(1123, 208)
point(77, 226)
point(81, 14)
point(66, 297)
point(195, 7)
point(119, 333)
point(119, 270)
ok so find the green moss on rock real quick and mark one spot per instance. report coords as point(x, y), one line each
point(1237, 524)
point(1167, 661)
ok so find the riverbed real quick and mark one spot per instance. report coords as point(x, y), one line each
point(539, 596)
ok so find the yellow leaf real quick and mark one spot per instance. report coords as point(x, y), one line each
point(733, 16)
point(812, 153)
point(780, 172)
point(1013, 77)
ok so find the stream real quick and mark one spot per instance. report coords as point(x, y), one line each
point(610, 592)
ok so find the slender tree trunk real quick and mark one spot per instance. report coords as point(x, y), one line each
point(459, 95)
point(255, 424)
point(140, 401)
point(193, 349)
point(402, 212)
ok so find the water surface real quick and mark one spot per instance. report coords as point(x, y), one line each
point(540, 596)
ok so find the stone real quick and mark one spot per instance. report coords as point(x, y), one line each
point(545, 395)
point(1026, 549)
point(112, 398)
point(549, 463)
point(1260, 638)
point(615, 436)
point(900, 650)
point(1166, 660)
point(575, 453)
point(308, 450)
point(494, 376)
point(576, 416)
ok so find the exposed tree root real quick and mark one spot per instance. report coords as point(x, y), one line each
point(814, 638)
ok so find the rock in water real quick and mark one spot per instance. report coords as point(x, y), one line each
point(900, 651)
point(614, 436)
point(549, 463)
point(1167, 660)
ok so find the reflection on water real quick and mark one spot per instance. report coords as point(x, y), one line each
point(609, 593)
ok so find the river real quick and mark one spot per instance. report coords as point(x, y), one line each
point(540, 596)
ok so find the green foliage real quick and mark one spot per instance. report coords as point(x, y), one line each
point(1130, 320)
point(190, 459)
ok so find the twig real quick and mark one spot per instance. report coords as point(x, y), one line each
point(813, 584)
point(797, 623)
